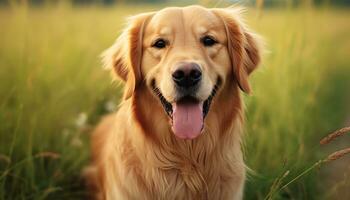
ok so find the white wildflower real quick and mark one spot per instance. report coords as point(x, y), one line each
point(110, 106)
point(81, 120)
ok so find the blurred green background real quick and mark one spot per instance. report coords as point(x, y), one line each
point(53, 92)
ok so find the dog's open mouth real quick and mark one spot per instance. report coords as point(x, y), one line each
point(187, 114)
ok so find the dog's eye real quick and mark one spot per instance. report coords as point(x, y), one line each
point(159, 44)
point(208, 41)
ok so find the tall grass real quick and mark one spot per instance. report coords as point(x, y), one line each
point(300, 94)
point(53, 92)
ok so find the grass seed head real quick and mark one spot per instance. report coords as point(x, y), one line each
point(338, 154)
point(334, 135)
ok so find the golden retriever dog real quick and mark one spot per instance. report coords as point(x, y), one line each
point(177, 133)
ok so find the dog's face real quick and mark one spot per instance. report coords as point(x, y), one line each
point(184, 56)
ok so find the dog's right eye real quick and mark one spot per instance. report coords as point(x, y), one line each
point(208, 41)
point(159, 44)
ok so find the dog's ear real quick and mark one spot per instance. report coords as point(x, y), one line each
point(243, 46)
point(125, 55)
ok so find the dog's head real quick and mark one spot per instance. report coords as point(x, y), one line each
point(184, 56)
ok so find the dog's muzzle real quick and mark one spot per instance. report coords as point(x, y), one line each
point(187, 113)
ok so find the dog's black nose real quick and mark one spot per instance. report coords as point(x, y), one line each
point(187, 75)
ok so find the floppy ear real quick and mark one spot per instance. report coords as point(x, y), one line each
point(243, 46)
point(125, 55)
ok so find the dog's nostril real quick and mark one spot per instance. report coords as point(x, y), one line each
point(195, 74)
point(178, 75)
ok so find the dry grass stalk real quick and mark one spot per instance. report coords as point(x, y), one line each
point(334, 135)
point(48, 154)
point(338, 154)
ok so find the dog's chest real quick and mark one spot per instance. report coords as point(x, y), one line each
point(191, 182)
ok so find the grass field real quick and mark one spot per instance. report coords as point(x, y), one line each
point(53, 91)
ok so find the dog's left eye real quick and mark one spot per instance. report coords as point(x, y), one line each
point(208, 41)
point(159, 43)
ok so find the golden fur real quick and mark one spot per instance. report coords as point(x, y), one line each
point(135, 154)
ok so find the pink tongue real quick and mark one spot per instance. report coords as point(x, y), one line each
point(187, 119)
